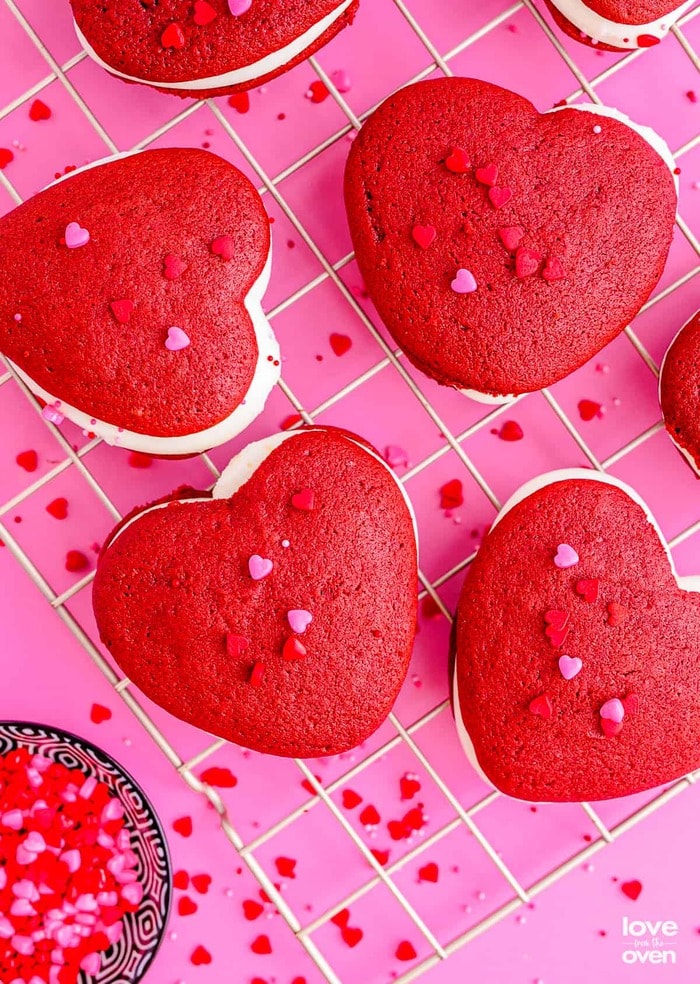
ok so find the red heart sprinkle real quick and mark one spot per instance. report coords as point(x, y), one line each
point(500, 196)
point(200, 955)
point(307, 785)
point(293, 649)
point(252, 909)
point(406, 951)
point(139, 459)
point(29, 460)
point(631, 704)
point(224, 246)
point(122, 310)
point(303, 500)
point(183, 826)
point(451, 494)
point(458, 162)
point(257, 674)
point(382, 857)
point(617, 614)
point(285, 867)
point(261, 945)
point(201, 883)
point(204, 13)
point(220, 777)
point(610, 728)
point(76, 561)
point(370, 817)
point(99, 713)
point(632, 889)
point(527, 262)
point(186, 906)
point(173, 37)
point(557, 637)
point(588, 589)
point(240, 101)
point(424, 235)
point(409, 786)
point(317, 91)
point(553, 269)
point(340, 343)
point(341, 918)
point(173, 266)
point(397, 830)
point(647, 40)
point(6, 157)
point(39, 111)
point(556, 619)
point(429, 608)
point(511, 431)
point(58, 508)
point(236, 645)
point(181, 880)
point(351, 799)
point(429, 872)
point(291, 421)
point(542, 707)
point(351, 935)
point(588, 409)
point(510, 236)
point(414, 819)
point(299, 980)
point(487, 175)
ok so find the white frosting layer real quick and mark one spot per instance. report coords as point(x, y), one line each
point(238, 76)
point(691, 584)
point(686, 454)
point(265, 377)
point(244, 465)
point(605, 31)
point(656, 142)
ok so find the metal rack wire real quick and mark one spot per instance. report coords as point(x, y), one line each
point(464, 817)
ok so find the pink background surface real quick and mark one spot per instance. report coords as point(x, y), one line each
point(571, 931)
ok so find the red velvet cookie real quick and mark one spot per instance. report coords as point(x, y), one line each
point(203, 48)
point(679, 391)
point(617, 25)
point(577, 647)
point(130, 300)
point(501, 247)
point(279, 613)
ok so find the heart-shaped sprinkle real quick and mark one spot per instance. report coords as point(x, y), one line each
point(239, 7)
point(261, 945)
point(317, 91)
point(252, 909)
point(527, 262)
point(121, 310)
point(556, 619)
point(542, 707)
point(610, 728)
point(424, 235)
point(75, 236)
point(293, 650)
point(181, 880)
point(341, 80)
point(340, 343)
point(99, 714)
point(259, 567)
point(6, 157)
point(588, 409)
point(201, 883)
point(173, 37)
point(553, 269)
point(200, 955)
point(617, 614)
point(341, 918)
point(29, 460)
point(39, 111)
point(173, 266)
point(219, 776)
point(285, 867)
point(570, 666)
point(565, 556)
point(183, 826)
point(500, 196)
point(487, 175)
point(458, 162)
point(299, 620)
point(406, 951)
point(511, 236)
point(557, 637)
point(429, 872)
point(631, 704)
point(224, 246)
point(511, 431)
point(351, 799)
point(236, 645)
point(370, 816)
point(303, 500)
point(257, 674)
point(464, 282)
point(12, 819)
point(452, 494)
point(204, 13)
point(186, 906)
point(58, 508)
point(177, 339)
point(613, 710)
point(588, 588)
point(409, 786)
point(352, 935)
point(632, 889)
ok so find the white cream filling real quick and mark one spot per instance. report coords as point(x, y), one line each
point(686, 454)
point(265, 377)
point(244, 465)
point(690, 584)
point(656, 142)
point(238, 76)
point(605, 31)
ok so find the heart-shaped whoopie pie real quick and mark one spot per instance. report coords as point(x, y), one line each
point(130, 300)
point(679, 391)
point(503, 248)
point(278, 613)
point(577, 647)
point(201, 48)
point(616, 25)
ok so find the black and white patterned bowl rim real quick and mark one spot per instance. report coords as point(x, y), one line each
point(127, 961)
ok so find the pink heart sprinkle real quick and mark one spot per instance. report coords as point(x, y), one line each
point(239, 7)
point(34, 842)
point(299, 620)
point(22, 908)
point(341, 80)
point(133, 893)
point(6, 928)
point(570, 666)
point(177, 339)
point(75, 236)
point(464, 282)
point(72, 859)
point(13, 819)
point(259, 567)
point(565, 556)
point(91, 964)
point(613, 710)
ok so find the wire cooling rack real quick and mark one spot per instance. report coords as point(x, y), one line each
point(467, 817)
